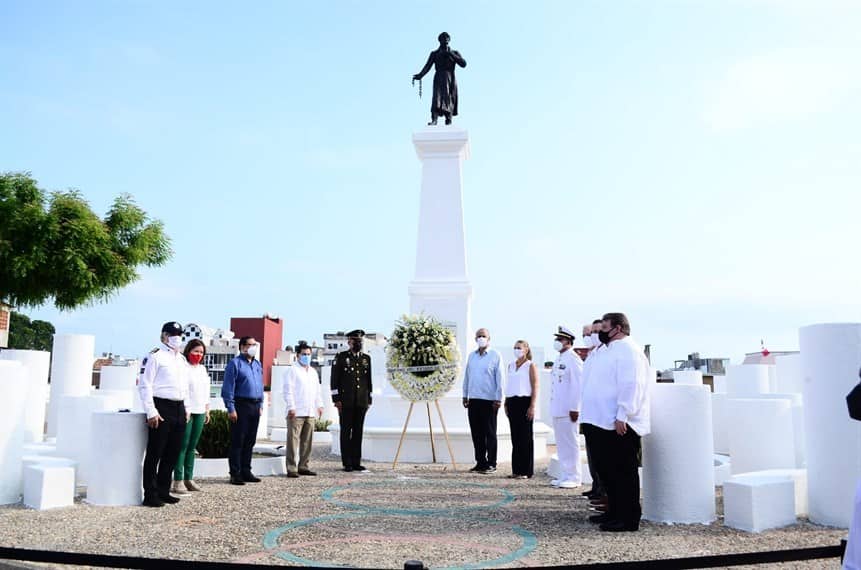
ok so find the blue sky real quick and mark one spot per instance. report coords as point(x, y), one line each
point(694, 164)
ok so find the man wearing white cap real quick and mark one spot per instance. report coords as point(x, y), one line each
point(163, 387)
point(565, 409)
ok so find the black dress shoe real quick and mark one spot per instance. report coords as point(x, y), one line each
point(359, 468)
point(250, 478)
point(348, 468)
point(169, 499)
point(234, 480)
point(292, 474)
point(476, 467)
point(153, 502)
point(306, 472)
point(619, 526)
point(600, 519)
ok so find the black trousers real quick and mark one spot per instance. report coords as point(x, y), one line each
point(592, 458)
point(162, 449)
point(522, 446)
point(243, 435)
point(352, 426)
point(482, 425)
point(618, 460)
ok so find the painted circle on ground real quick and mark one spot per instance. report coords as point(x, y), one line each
point(507, 544)
point(466, 498)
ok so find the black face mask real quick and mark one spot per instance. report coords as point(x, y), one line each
point(357, 346)
point(604, 337)
point(853, 402)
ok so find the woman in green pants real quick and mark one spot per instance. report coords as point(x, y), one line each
point(197, 406)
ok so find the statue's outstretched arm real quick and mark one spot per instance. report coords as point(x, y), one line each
point(425, 69)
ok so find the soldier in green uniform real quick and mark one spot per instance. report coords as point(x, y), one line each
point(351, 394)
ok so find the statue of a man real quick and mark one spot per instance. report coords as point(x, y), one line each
point(444, 100)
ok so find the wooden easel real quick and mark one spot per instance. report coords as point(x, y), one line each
point(430, 429)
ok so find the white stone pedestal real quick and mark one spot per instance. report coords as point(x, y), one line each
point(441, 286)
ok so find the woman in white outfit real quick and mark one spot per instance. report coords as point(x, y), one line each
point(198, 415)
point(521, 397)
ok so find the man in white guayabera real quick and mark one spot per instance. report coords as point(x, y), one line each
point(616, 409)
point(304, 402)
point(482, 397)
point(566, 380)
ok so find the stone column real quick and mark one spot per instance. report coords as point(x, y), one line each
point(830, 359)
point(441, 287)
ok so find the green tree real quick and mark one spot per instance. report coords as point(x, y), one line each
point(53, 247)
point(30, 335)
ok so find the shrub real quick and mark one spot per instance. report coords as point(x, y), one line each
point(215, 438)
point(322, 425)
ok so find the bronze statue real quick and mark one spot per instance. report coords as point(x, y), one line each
point(444, 100)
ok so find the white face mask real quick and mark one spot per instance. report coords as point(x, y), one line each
point(481, 342)
point(518, 353)
point(588, 342)
point(252, 350)
point(174, 342)
point(557, 345)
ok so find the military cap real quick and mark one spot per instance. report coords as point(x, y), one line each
point(564, 332)
point(172, 328)
point(357, 333)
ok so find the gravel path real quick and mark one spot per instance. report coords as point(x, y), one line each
point(381, 518)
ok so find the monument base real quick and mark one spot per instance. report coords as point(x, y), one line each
point(379, 444)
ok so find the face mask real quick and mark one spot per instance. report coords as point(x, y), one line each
point(587, 341)
point(194, 358)
point(518, 353)
point(481, 342)
point(252, 351)
point(174, 342)
point(604, 337)
point(305, 359)
point(557, 345)
point(357, 346)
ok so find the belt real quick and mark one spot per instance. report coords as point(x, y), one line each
point(168, 400)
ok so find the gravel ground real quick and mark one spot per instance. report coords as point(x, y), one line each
point(382, 517)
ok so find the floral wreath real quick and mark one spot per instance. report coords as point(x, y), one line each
point(422, 358)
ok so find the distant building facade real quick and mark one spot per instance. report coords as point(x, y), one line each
point(268, 331)
point(333, 343)
point(221, 347)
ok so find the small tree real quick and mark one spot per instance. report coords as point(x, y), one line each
point(30, 335)
point(55, 248)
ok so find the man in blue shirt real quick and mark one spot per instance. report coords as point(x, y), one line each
point(242, 393)
point(482, 397)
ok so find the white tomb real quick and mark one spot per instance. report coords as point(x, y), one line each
point(797, 476)
point(13, 432)
point(678, 458)
point(71, 372)
point(49, 486)
point(745, 380)
point(37, 363)
point(688, 377)
point(720, 423)
point(760, 434)
point(759, 503)
point(117, 444)
point(789, 376)
point(830, 360)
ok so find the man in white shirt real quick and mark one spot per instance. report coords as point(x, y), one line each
point(616, 407)
point(565, 391)
point(163, 387)
point(304, 404)
point(590, 340)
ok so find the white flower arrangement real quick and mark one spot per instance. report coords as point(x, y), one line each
point(422, 358)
